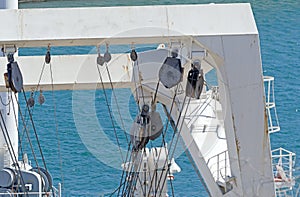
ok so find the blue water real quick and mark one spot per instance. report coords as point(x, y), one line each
point(87, 174)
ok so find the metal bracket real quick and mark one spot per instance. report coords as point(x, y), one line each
point(9, 51)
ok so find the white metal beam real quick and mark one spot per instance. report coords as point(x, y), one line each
point(71, 72)
point(117, 25)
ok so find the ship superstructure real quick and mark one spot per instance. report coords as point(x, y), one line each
point(225, 127)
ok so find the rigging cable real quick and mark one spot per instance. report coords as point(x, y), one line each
point(123, 171)
point(155, 94)
point(19, 137)
point(116, 101)
point(163, 138)
point(27, 133)
point(56, 125)
point(140, 81)
point(109, 110)
point(104, 60)
point(163, 133)
point(40, 78)
point(136, 89)
point(11, 150)
point(35, 132)
point(172, 153)
point(32, 110)
point(169, 117)
point(134, 174)
point(128, 173)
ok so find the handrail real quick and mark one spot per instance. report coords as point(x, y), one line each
point(273, 123)
point(221, 165)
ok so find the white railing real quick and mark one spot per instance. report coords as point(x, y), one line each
point(273, 123)
point(53, 193)
point(283, 162)
point(219, 166)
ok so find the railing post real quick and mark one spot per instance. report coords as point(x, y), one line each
point(291, 165)
point(225, 164)
point(59, 189)
point(218, 167)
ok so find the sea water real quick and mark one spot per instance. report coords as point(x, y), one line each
point(88, 164)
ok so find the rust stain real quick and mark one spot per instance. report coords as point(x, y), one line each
point(237, 143)
point(266, 119)
point(125, 67)
point(140, 76)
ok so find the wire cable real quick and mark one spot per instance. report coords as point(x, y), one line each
point(56, 127)
point(110, 113)
point(11, 150)
point(116, 101)
point(35, 132)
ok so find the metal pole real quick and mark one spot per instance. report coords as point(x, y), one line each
point(7, 108)
point(59, 189)
point(291, 166)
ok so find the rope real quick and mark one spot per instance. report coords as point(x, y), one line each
point(155, 94)
point(11, 150)
point(140, 82)
point(172, 154)
point(35, 132)
point(27, 134)
point(116, 101)
point(123, 171)
point(110, 113)
point(136, 91)
point(135, 173)
point(40, 78)
point(172, 188)
point(56, 126)
point(163, 136)
point(19, 137)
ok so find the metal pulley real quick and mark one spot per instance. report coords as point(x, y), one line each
point(48, 57)
point(41, 98)
point(100, 60)
point(139, 136)
point(15, 78)
point(156, 126)
point(170, 73)
point(147, 126)
point(145, 111)
point(133, 55)
point(107, 55)
point(30, 101)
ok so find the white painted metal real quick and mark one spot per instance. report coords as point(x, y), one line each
point(7, 111)
point(273, 123)
point(242, 98)
point(147, 24)
point(70, 72)
point(228, 34)
point(150, 166)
